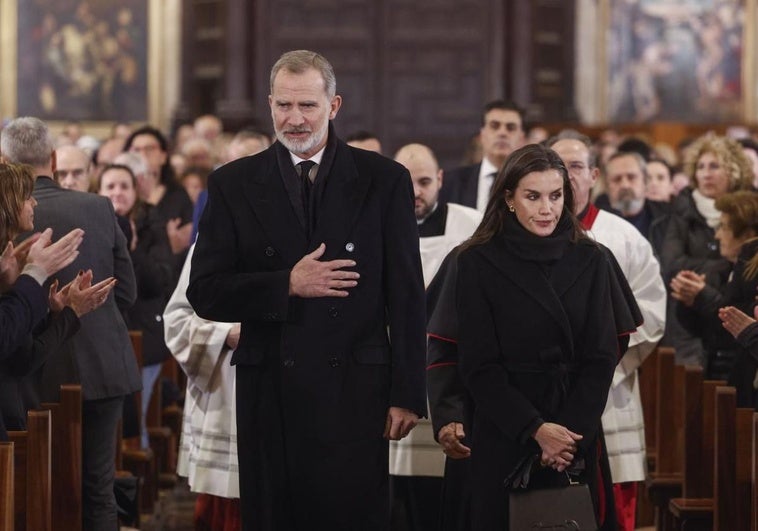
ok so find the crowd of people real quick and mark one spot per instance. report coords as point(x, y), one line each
point(362, 332)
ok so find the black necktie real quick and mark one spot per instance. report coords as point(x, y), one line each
point(307, 185)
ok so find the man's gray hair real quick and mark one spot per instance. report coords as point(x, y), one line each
point(27, 140)
point(298, 61)
point(638, 158)
point(573, 134)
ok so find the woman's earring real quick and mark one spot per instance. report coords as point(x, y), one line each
point(510, 207)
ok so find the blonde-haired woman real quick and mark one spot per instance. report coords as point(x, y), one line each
point(716, 166)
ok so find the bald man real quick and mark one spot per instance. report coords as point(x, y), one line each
point(73, 167)
point(441, 225)
point(417, 464)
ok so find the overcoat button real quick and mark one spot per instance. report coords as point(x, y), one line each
point(289, 363)
point(333, 312)
point(350, 247)
point(334, 362)
point(270, 251)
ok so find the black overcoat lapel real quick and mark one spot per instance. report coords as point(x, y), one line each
point(342, 202)
point(533, 283)
point(271, 205)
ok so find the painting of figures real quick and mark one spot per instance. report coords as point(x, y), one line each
point(82, 59)
point(677, 60)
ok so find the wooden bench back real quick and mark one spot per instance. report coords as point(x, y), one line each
point(32, 474)
point(67, 457)
point(6, 486)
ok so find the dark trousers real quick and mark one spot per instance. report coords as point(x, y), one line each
point(99, 421)
point(416, 503)
point(300, 483)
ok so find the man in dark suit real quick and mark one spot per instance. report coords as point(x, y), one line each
point(103, 357)
point(502, 132)
point(320, 263)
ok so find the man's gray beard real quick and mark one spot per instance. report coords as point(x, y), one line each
point(303, 146)
point(627, 204)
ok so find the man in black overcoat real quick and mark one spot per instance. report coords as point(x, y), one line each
point(320, 263)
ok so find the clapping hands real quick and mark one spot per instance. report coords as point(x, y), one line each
point(79, 294)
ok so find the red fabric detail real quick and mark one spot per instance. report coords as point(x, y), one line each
point(442, 338)
point(600, 489)
point(589, 218)
point(444, 364)
point(214, 513)
point(625, 495)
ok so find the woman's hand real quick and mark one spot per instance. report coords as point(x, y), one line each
point(686, 285)
point(734, 320)
point(83, 297)
point(178, 236)
point(558, 445)
point(12, 261)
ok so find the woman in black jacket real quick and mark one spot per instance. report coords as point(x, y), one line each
point(698, 302)
point(716, 166)
point(537, 336)
point(20, 367)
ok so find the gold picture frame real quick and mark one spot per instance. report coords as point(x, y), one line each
point(716, 108)
point(163, 65)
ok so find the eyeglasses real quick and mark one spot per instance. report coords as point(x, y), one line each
point(144, 149)
point(62, 174)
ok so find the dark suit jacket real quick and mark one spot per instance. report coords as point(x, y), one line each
point(104, 358)
point(461, 185)
point(333, 367)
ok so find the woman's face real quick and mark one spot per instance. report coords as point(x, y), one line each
point(712, 179)
point(753, 156)
point(117, 185)
point(729, 245)
point(659, 187)
point(538, 201)
point(193, 185)
point(26, 217)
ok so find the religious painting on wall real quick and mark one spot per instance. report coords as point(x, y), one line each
point(82, 60)
point(676, 60)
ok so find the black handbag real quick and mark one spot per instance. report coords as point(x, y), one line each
point(562, 508)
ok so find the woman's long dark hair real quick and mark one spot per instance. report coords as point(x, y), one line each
point(519, 164)
point(167, 177)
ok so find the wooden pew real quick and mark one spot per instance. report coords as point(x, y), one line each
point(665, 481)
point(67, 458)
point(728, 508)
point(32, 482)
point(6, 487)
point(648, 375)
point(135, 459)
point(754, 478)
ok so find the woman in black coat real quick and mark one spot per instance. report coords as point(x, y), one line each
point(537, 337)
point(698, 302)
point(20, 366)
point(716, 166)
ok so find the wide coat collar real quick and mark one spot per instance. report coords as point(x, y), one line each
point(343, 198)
point(533, 283)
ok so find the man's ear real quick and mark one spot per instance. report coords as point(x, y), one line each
point(595, 173)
